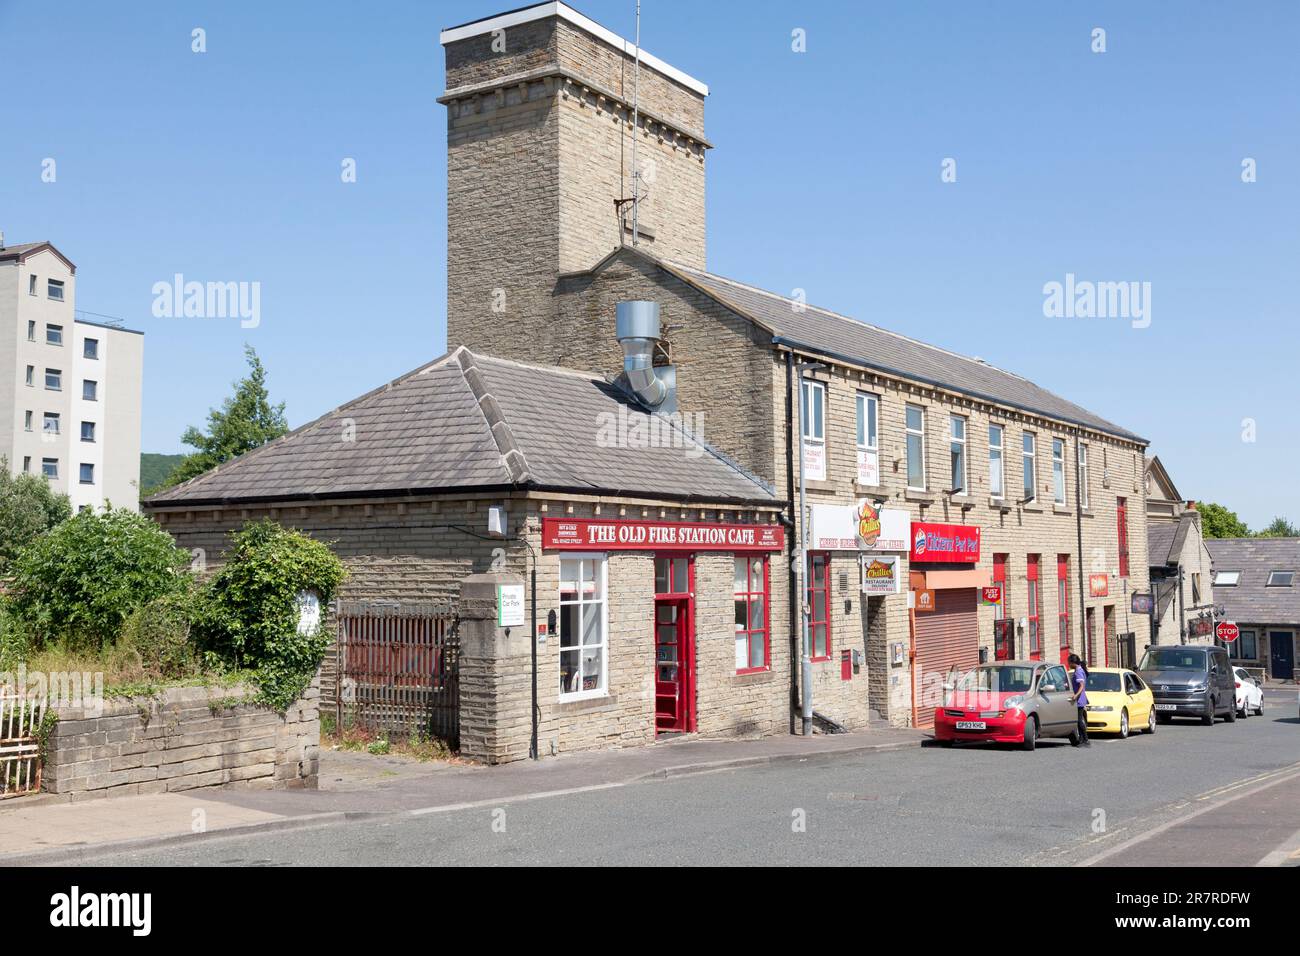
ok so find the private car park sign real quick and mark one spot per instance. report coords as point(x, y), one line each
point(1227, 632)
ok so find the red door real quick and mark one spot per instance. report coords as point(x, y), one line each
point(674, 645)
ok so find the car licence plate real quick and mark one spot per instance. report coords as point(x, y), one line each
point(971, 725)
point(1166, 706)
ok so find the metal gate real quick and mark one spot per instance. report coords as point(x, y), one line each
point(398, 669)
point(947, 638)
point(20, 745)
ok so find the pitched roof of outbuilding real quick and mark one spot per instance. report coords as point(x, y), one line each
point(820, 331)
point(1252, 601)
point(470, 421)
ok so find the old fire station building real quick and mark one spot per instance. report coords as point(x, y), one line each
point(633, 428)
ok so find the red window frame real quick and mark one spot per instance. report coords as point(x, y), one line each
point(1000, 578)
point(1035, 606)
point(1121, 528)
point(824, 558)
point(1063, 598)
point(748, 597)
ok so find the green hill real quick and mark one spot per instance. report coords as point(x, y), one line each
point(154, 470)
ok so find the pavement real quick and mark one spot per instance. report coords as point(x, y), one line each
point(360, 786)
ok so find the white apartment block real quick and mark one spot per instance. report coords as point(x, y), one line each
point(69, 389)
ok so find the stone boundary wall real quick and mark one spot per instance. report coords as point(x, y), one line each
point(181, 739)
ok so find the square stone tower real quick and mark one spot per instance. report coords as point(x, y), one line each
point(539, 166)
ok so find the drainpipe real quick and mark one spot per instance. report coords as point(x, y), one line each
point(1078, 531)
point(791, 574)
point(1182, 612)
point(805, 668)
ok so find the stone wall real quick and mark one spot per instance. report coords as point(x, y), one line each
point(182, 739)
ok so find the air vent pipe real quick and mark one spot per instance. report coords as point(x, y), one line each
point(637, 330)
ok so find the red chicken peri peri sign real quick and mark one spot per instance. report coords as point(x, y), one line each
point(948, 543)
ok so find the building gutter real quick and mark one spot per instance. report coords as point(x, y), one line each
point(1078, 531)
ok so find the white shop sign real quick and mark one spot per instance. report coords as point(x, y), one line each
point(881, 573)
point(814, 461)
point(510, 605)
point(836, 527)
point(868, 467)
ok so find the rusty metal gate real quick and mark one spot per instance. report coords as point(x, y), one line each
point(398, 669)
point(20, 745)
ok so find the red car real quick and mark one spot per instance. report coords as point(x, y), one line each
point(1010, 702)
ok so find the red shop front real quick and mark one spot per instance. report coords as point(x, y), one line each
point(674, 547)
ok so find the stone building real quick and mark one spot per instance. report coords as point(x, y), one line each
point(955, 512)
point(1182, 575)
point(1255, 579)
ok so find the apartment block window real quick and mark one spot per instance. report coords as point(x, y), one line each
point(915, 422)
point(583, 641)
point(1058, 470)
point(51, 426)
point(868, 440)
point(819, 599)
point(814, 430)
point(31, 375)
point(1082, 476)
point(996, 487)
point(90, 349)
point(1035, 599)
point(1121, 523)
point(27, 464)
point(54, 379)
point(751, 613)
point(55, 290)
point(53, 335)
point(87, 474)
point(1063, 598)
point(31, 284)
point(89, 390)
point(50, 467)
point(27, 421)
point(957, 453)
point(1027, 460)
point(31, 330)
point(87, 431)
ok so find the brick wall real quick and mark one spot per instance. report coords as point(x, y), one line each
point(182, 739)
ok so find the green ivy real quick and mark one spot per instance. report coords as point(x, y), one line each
point(250, 616)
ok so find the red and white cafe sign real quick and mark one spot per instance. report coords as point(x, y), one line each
point(945, 543)
point(597, 534)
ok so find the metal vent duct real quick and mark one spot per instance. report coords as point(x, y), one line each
point(637, 330)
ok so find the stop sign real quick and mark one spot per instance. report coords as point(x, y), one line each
point(1227, 632)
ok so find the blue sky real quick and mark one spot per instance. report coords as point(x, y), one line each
point(1115, 166)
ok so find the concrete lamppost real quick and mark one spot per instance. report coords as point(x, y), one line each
point(805, 669)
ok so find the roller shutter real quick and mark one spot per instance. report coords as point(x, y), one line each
point(946, 636)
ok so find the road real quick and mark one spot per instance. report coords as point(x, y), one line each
point(1239, 782)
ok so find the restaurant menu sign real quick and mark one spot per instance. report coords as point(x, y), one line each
point(596, 534)
point(861, 527)
point(881, 574)
point(945, 543)
point(814, 461)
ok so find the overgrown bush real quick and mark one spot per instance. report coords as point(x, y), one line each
point(81, 580)
point(28, 508)
point(155, 637)
point(249, 615)
point(15, 643)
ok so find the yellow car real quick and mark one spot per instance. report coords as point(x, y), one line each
point(1119, 702)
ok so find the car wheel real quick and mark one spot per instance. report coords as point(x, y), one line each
point(1259, 710)
point(1123, 724)
point(1152, 720)
point(1245, 709)
point(1231, 715)
point(1210, 711)
point(1031, 734)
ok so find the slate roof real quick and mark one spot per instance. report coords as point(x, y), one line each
point(470, 421)
point(1160, 542)
point(1252, 601)
point(838, 336)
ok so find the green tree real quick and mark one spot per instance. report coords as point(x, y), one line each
point(1279, 528)
point(246, 420)
point(1218, 522)
point(250, 614)
point(28, 508)
point(81, 579)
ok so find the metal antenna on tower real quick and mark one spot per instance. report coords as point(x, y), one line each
point(636, 119)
